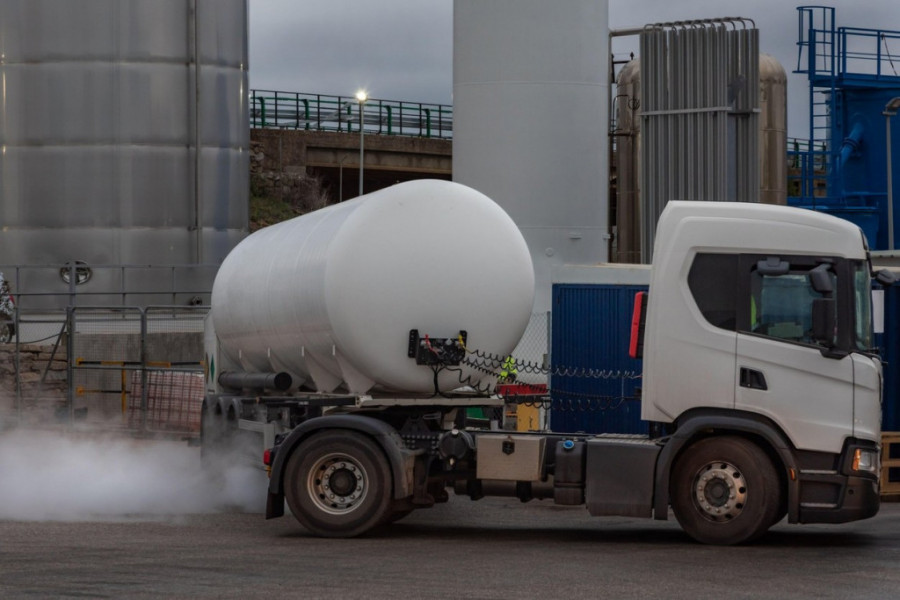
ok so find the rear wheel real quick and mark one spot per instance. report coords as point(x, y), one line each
point(337, 484)
point(725, 491)
point(7, 332)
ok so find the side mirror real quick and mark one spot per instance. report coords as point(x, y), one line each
point(885, 277)
point(823, 321)
point(820, 279)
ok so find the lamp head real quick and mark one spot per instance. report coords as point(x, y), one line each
point(891, 108)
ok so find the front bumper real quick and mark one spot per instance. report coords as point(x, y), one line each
point(850, 498)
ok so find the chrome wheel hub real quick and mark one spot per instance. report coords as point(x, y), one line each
point(337, 483)
point(720, 491)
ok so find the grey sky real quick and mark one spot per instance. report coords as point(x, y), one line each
point(402, 49)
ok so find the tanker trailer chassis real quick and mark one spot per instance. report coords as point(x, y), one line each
point(346, 464)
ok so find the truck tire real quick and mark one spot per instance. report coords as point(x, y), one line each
point(338, 484)
point(725, 491)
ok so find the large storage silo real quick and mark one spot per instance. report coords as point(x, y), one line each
point(530, 87)
point(124, 133)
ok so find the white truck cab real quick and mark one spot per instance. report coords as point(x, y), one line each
point(763, 314)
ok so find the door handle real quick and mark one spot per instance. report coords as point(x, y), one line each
point(753, 379)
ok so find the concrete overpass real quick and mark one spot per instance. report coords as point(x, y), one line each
point(334, 157)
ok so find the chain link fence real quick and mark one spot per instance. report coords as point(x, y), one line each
point(139, 369)
point(80, 356)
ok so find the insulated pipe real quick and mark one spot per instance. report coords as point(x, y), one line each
point(850, 144)
point(240, 380)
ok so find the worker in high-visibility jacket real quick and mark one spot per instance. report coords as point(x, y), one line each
point(508, 371)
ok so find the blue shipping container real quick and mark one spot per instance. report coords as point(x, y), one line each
point(590, 331)
point(889, 344)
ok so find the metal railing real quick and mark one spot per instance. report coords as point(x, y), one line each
point(319, 112)
point(808, 168)
point(55, 287)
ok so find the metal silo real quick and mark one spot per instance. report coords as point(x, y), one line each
point(627, 106)
point(530, 93)
point(772, 131)
point(530, 87)
point(124, 132)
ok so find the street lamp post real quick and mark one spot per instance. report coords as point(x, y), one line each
point(890, 109)
point(361, 97)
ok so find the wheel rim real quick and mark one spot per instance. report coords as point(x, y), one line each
point(720, 491)
point(337, 483)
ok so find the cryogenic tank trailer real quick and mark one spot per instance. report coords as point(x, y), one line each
point(761, 394)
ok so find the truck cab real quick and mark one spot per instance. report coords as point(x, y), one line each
point(760, 316)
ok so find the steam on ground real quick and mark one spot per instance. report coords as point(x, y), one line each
point(51, 476)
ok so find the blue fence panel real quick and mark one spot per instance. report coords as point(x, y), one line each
point(591, 330)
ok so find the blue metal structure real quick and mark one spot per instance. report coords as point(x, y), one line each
point(888, 344)
point(853, 73)
point(590, 332)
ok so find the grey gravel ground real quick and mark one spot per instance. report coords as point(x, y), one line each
point(495, 548)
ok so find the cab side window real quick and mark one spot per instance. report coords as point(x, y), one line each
point(713, 284)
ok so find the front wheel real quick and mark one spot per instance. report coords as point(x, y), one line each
point(337, 484)
point(725, 491)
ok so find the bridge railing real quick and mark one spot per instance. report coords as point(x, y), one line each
point(319, 112)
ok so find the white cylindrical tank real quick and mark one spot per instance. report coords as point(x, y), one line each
point(330, 297)
point(530, 119)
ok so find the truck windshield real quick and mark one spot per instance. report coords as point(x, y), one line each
point(862, 300)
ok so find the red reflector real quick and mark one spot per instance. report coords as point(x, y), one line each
point(267, 457)
point(638, 318)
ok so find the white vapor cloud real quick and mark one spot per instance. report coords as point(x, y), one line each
point(50, 476)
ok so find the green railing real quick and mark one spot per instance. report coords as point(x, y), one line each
point(318, 112)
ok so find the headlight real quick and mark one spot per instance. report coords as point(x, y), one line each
point(865, 460)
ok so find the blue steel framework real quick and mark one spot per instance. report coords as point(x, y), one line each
point(852, 73)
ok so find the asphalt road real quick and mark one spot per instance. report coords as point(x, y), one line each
point(493, 548)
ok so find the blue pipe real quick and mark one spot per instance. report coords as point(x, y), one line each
point(850, 145)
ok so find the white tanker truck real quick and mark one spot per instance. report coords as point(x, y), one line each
point(344, 339)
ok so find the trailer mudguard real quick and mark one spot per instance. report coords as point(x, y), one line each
point(698, 423)
point(401, 459)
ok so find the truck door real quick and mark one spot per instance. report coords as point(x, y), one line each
point(782, 371)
